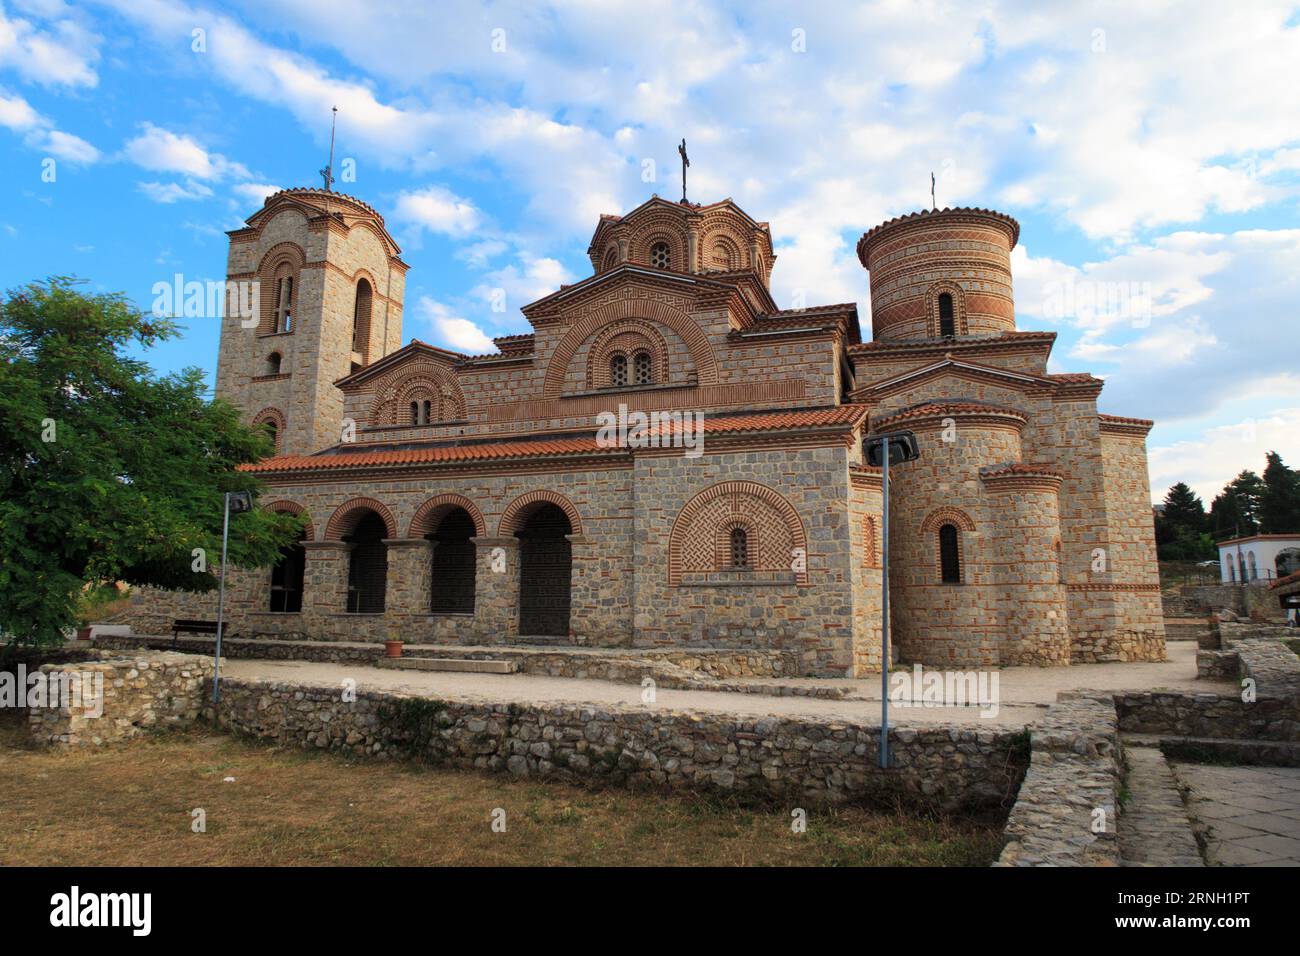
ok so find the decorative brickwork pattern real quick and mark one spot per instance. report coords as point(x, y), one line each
point(346, 516)
point(428, 515)
point(778, 541)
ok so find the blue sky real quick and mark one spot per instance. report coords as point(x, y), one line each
point(1152, 157)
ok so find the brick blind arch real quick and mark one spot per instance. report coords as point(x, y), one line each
point(777, 534)
point(647, 310)
point(428, 515)
point(626, 338)
point(284, 506)
point(283, 260)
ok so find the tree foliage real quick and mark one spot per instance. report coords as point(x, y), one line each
point(1182, 527)
point(108, 472)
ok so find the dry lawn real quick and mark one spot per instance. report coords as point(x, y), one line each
point(131, 805)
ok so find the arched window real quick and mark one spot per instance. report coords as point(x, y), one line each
point(426, 412)
point(273, 434)
point(273, 364)
point(1229, 570)
point(947, 327)
point(1254, 570)
point(641, 368)
point(659, 255)
point(1241, 567)
point(415, 413)
point(283, 299)
point(739, 548)
point(949, 555)
point(361, 318)
point(618, 370)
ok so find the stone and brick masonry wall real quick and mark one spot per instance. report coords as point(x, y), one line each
point(147, 690)
point(804, 760)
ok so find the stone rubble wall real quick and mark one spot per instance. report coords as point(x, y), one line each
point(801, 760)
point(148, 690)
point(1074, 771)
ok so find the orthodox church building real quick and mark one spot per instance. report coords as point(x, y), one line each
point(477, 499)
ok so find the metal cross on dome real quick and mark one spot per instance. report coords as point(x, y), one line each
point(327, 174)
point(681, 151)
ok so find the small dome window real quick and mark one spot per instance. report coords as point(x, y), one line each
point(659, 257)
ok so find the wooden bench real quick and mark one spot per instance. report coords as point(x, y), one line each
point(191, 627)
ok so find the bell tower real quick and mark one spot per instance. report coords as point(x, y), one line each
point(321, 283)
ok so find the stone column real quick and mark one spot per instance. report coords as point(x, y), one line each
point(622, 250)
point(496, 602)
point(325, 586)
point(692, 248)
point(410, 563)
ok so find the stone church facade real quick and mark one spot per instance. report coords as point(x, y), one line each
point(461, 499)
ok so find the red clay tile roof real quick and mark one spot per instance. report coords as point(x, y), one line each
point(1121, 420)
point(1073, 377)
point(874, 232)
point(1292, 578)
point(1005, 337)
point(930, 409)
point(434, 453)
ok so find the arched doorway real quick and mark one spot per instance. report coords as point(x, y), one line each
point(545, 572)
point(287, 578)
point(367, 565)
point(452, 583)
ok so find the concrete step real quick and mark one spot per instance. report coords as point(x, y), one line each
point(461, 665)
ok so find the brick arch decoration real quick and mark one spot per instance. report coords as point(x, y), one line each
point(630, 336)
point(284, 506)
point(777, 528)
point(516, 513)
point(723, 253)
point(942, 516)
point(611, 258)
point(962, 522)
point(347, 514)
point(960, 326)
point(427, 516)
point(664, 228)
point(649, 310)
point(417, 381)
point(282, 253)
point(275, 417)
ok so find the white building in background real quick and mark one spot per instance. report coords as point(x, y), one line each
point(1259, 558)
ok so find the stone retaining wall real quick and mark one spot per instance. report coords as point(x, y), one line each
point(1169, 713)
point(800, 760)
point(1074, 771)
point(148, 690)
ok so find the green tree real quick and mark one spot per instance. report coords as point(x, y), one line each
point(1279, 507)
point(108, 472)
point(1181, 527)
point(1235, 510)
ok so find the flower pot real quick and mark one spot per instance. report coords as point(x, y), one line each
point(392, 648)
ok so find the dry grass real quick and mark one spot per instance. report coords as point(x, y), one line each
point(131, 805)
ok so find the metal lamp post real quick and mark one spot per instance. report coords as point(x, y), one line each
point(883, 450)
point(238, 502)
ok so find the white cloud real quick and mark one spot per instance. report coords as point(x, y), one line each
point(161, 150)
point(167, 193)
point(62, 53)
point(516, 285)
point(40, 134)
point(439, 210)
point(1222, 451)
point(255, 192)
point(459, 333)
